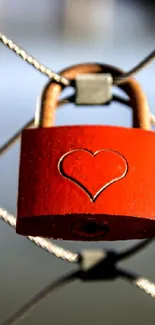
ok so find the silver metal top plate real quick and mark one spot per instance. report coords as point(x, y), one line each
point(93, 88)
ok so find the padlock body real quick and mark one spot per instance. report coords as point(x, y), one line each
point(87, 183)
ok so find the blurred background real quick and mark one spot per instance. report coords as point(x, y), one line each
point(60, 33)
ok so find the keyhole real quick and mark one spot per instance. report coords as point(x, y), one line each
point(90, 229)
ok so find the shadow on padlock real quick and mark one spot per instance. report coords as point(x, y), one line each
point(88, 182)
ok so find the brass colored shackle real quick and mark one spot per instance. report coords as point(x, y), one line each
point(138, 99)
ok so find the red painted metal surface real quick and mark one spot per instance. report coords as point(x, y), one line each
point(87, 183)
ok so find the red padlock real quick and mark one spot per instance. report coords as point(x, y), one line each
point(88, 182)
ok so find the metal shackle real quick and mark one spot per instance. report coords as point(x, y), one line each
point(138, 99)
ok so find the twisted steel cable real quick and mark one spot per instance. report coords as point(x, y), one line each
point(59, 79)
point(44, 243)
point(33, 61)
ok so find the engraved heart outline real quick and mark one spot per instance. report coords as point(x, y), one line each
point(91, 197)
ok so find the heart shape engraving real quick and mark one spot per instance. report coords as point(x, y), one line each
point(93, 172)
